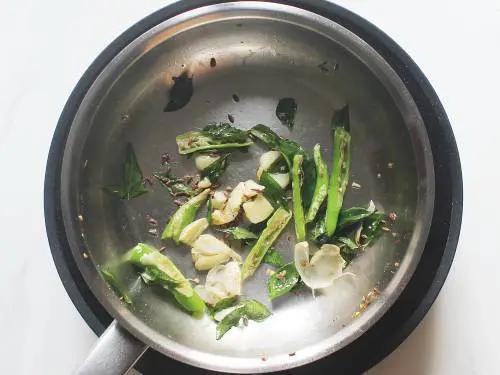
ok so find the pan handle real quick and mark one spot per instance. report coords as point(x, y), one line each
point(114, 353)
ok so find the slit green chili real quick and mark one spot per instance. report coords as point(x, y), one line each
point(321, 187)
point(298, 209)
point(273, 228)
point(340, 167)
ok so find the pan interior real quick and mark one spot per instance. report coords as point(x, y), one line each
point(263, 52)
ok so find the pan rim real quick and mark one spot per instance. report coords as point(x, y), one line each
point(66, 120)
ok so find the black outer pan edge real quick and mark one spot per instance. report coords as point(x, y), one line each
point(402, 318)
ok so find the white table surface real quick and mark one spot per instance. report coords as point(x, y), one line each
point(47, 45)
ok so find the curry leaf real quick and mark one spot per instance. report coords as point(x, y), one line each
point(132, 181)
point(372, 228)
point(286, 110)
point(239, 233)
point(265, 135)
point(225, 132)
point(221, 305)
point(354, 215)
point(248, 309)
point(283, 281)
point(273, 258)
point(181, 92)
point(273, 192)
point(212, 138)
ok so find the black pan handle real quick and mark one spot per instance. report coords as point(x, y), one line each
point(115, 353)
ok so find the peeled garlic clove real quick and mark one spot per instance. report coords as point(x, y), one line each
point(204, 183)
point(203, 161)
point(220, 217)
point(267, 159)
point(192, 231)
point(223, 281)
point(232, 207)
point(252, 189)
point(301, 257)
point(219, 200)
point(283, 179)
point(325, 266)
point(209, 252)
point(258, 210)
point(205, 295)
point(208, 244)
point(235, 199)
point(204, 262)
point(226, 279)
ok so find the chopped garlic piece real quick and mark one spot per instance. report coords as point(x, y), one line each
point(283, 179)
point(267, 159)
point(192, 231)
point(204, 161)
point(223, 281)
point(232, 207)
point(219, 200)
point(325, 266)
point(258, 210)
point(205, 183)
point(252, 189)
point(209, 252)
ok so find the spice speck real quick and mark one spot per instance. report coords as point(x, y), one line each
point(165, 159)
point(355, 185)
point(291, 354)
point(213, 62)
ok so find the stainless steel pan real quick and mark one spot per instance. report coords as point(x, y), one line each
point(263, 51)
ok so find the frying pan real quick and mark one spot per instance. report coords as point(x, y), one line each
point(264, 51)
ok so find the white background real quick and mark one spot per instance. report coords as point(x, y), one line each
point(46, 46)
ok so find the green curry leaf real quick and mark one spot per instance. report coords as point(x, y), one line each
point(273, 258)
point(248, 309)
point(132, 179)
point(283, 281)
